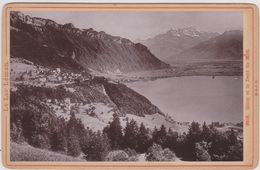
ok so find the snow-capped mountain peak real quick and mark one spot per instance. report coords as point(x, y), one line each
point(187, 31)
point(190, 31)
point(168, 45)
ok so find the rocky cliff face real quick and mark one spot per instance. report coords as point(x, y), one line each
point(46, 42)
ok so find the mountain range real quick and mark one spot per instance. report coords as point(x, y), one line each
point(54, 45)
point(189, 44)
point(225, 47)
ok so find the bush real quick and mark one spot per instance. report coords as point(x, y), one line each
point(156, 153)
point(25, 152)
point(133, 158)
point(117, 155)
point(169, 155)
point(201, 152)
point(235, 152)
point(16, 133)
point(40, 141)
point(132, 154)
point(31, 120)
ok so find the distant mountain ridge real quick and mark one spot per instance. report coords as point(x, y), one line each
point(46, 42)
point(227, 46)
point(168, 45)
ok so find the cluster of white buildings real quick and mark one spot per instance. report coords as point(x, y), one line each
point(43, 76)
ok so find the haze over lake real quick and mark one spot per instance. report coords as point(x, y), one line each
point(196, 98)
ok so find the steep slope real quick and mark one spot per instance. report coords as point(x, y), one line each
point(227, 46)
point(25, 152)
point(127, 100)
point(45, 42)
point(94, 100)
point(167, 46)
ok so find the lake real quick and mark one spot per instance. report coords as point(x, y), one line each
point(196, 98)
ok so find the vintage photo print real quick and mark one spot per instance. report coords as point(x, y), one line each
point(139, 85)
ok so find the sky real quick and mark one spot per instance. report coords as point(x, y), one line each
point(145, 24)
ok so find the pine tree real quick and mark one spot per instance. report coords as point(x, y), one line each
point(73, 143)
point(126, 135)
point(72, 121)
point(130, 136)
point(163, 136)
point(58, 139)
point(232, 137)
point(114, 132)
point(73, 146)
point(235, 151)
point(143, 139)
point(193, 136)
point(159, 137)
point(219, 145)
point(171, 139)
point(37, 128)
point(206, 133)
point(155, 134)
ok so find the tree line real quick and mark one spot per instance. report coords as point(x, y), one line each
point(36, 125)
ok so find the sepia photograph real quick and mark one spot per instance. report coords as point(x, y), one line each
point(138, 85)
point(126, 86)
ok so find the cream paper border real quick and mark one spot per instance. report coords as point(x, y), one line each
point(250, 85)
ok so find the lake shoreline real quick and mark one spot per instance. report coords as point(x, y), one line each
point(217, 68)
point(197, 94)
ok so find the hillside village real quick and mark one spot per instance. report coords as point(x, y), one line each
point(38, 75)
point(94, 115)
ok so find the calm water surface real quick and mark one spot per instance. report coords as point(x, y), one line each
point(198, 98)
